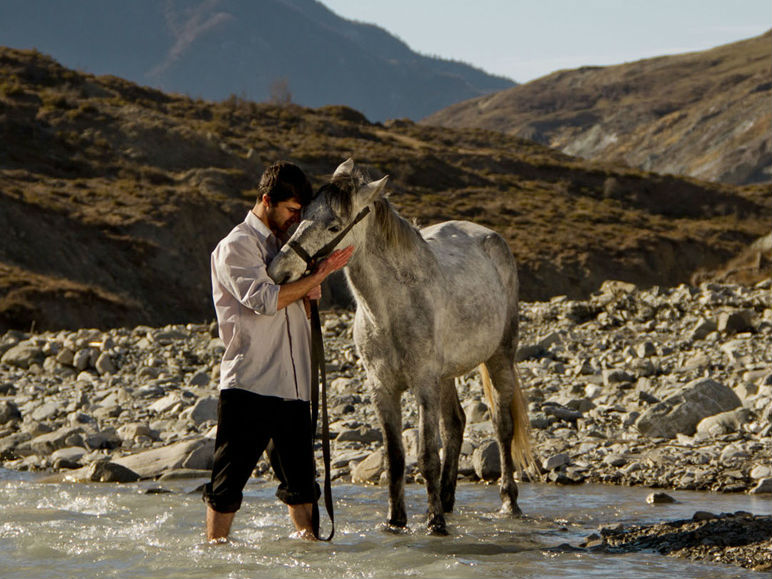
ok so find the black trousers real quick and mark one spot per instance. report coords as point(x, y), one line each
point(247, 425)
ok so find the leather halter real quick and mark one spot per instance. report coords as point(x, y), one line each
point(328, 248)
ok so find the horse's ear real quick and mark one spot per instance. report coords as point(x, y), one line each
point(373, 190)
point(345, 168)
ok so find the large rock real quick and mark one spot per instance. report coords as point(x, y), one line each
point(45, 444)
point(204, 410)
point(680, 414)
point(23, 354)
point(370, 469)
point(486, 461)
point(724, 423)
point(197, 453)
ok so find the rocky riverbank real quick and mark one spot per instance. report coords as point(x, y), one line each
point(665, 388)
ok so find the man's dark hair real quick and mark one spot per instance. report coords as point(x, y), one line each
point(282, 181)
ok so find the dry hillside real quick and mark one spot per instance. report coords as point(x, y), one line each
point(112, 196)
point(703, 114)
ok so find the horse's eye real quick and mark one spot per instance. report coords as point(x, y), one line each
point(333, 229)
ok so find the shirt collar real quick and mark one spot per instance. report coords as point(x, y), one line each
point(255, 223)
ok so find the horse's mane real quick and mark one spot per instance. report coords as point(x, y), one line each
point(397, 232)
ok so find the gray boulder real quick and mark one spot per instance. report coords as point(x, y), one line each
point(45, 444)
point(195, 453)
point(204, 410)
point(486, 461)
point(23, 354)
point(682, 412)
point(724, 423)
point(369, 470)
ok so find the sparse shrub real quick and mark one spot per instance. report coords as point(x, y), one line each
point(279, 92)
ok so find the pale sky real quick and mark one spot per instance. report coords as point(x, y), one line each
point(526, 39)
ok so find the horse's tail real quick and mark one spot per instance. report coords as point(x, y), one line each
point(522, 452)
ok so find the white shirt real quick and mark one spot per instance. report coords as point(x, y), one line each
point(266, 351)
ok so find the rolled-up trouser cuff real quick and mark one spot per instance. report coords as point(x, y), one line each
point(298, 498)
point(221, 504)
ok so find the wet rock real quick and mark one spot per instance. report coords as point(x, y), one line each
point(682, 412)
point(110, 472)
point(486, 461)
point(659, 499)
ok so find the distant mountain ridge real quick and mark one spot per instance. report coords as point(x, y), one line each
point(703, 114)
point(217, 48)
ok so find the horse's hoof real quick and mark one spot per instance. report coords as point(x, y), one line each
point(511, 509)
point(393, 529)
point(437, 526)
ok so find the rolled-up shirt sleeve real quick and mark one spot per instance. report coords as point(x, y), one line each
point(240, 269)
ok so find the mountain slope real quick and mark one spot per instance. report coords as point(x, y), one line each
point(704, 114)
point(217, 48)
point(113, 195)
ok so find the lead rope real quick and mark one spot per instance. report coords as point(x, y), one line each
point(319, 378)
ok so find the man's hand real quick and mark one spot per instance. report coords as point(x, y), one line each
point(315, 293)
point(296, 290)
point(336, 260)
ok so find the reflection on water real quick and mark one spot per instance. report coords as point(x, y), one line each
point(122, 531)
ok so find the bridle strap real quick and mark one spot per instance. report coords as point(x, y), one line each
point(328, 248)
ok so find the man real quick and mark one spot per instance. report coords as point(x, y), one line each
point(265, 378)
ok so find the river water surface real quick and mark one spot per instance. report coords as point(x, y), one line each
point(135, 531)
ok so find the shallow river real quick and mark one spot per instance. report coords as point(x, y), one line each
point(106, 530)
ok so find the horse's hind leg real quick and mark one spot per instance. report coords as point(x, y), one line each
point(428, 397)
point(452, 425)
point(387, 404)
point(502, 374)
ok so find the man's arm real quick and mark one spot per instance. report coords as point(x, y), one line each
point(295, 290)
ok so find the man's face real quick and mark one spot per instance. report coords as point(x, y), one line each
point(283, 215)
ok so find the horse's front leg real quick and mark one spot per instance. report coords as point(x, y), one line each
point(387, 404)
point(429, 453)
point(452, 422)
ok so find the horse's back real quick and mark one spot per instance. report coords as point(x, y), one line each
point(457, 242)
point(479, 287)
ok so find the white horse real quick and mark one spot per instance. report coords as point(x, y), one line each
point(431, 305)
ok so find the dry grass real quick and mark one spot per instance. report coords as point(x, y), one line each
point(134, 187)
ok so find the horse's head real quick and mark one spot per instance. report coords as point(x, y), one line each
point(329, 221)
